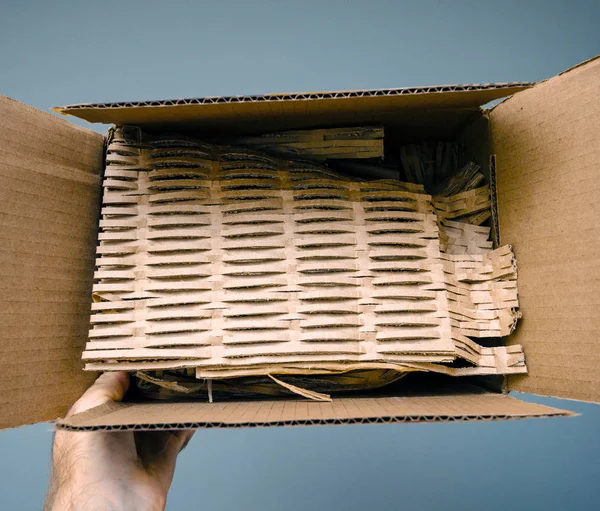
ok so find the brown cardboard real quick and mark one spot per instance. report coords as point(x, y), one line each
point(417, 111)
point(547, 146)
point(303, 286)
point(55, 166)
point(443, 403)
point(49, 198)
point(327, 144)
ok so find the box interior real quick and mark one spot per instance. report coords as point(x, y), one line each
point(466, 125)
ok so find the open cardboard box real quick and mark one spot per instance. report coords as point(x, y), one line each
point(545, 142)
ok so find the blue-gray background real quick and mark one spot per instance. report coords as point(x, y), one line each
point(55, 53)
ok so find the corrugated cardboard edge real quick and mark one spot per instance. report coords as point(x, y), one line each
point(585, 62)
point(494, 197)
point(296, 96)
point(110, 416)
point(316, 422)
point(566, 71)
point(37, 111)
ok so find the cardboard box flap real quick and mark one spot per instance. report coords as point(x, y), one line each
point(359, 410)
point(49, 201)
point(446, 106)
point(547, 146)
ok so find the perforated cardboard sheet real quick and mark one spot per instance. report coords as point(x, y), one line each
point(49, 203)
point(547, 145)
point(229, 260)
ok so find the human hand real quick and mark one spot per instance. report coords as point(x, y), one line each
point(116, 470)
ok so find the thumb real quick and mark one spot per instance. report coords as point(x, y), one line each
point(108, 387)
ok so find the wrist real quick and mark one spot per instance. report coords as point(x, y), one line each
point(100, 497)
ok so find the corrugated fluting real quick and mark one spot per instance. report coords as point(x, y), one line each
point(443, 407)
point(239, 263)
point(422, 112)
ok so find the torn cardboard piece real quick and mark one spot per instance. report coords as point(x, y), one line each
point(322, 144)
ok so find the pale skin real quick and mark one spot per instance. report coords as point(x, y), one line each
point(116, 471)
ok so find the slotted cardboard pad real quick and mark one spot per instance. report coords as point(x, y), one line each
point(223, 258)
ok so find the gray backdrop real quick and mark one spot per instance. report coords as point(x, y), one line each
point(54, 53)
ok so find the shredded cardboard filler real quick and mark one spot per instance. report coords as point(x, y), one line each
point(235, 263)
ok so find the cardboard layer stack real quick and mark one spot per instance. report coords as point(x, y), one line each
point(236, 263)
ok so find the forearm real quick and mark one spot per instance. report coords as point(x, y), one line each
point(92, 479)
point(98, 498)
point(101, 496)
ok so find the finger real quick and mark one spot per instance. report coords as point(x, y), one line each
point(109, 386)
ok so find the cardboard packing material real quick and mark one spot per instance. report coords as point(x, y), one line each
point(337, 143)
point(545, 149)
point(236, 264)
